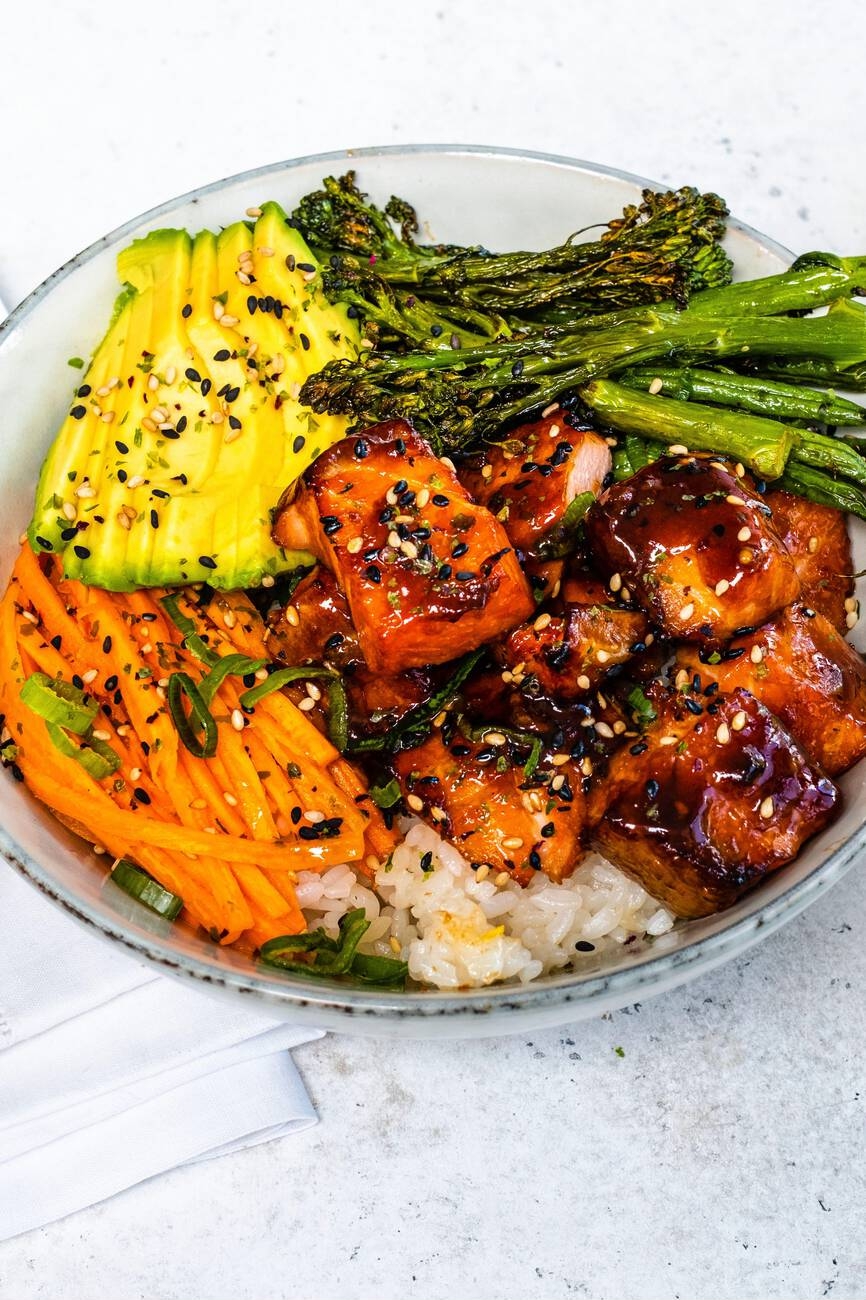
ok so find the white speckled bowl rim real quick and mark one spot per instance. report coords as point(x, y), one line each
point(556, 999)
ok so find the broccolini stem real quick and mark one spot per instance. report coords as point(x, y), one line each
point(829, 453)
point(816, 485)
point(768, 397)
point(762, 445)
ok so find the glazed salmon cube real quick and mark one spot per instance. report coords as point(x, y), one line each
point(531, 479)
point(571, 652)
point(695, 547)
point(489, 813)
point(817, 538)
point(802, 669)
point(709, 802)
point(427, 573)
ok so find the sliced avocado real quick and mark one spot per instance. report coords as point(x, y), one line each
point(186, 429)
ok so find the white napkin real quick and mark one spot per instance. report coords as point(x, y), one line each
point(110, 1074)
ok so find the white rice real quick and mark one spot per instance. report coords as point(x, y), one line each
point(458, 932)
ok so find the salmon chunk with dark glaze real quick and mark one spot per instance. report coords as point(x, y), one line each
point(532, 478)
point(315, 628)
point(709, 802)
point(571, 652)
point(817, 538)
point(427, 573)
point(802, 669)
point(486, 812)
point(695, 546)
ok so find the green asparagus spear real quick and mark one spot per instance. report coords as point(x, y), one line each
point(768, 397)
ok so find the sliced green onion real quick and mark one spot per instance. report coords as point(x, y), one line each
point(282, 677)
point(385, 796)
point(386, 971)
point(192, 642)
point(338, 715)
point(180, 684)
point(234, 665)
point(138, 884)
point(59, 702)
point(641, 706)
point(95, 756)
point(332, 957)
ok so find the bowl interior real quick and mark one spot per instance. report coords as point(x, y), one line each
point(501, 200)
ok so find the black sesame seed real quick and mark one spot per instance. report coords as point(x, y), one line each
point(154, 519)
point(67, 534)
point(192, 375)
point(57, 641)
point(106, 649)
point(222, 355)
point(400, 486)
point(305, 342)
point(426, 861)
point(77, 682)
point(652, 789)
point(141, 795)
point(82, 552)
point(252, 304)
point(161, 493)
point(517, 369)
point(444, 572)
point(78, 412)
point(460, 549)
point(486, 755)
point(298, 444)
point(583, 945)
point(207, 561)
point(335, 639)
point(435, 330)
point(233, 394)
point(373, 573)
point(330, 525)
point(535, 860)
point(640, 748)
point(186, 310)
point(121, 447)
point(547, 830)
point(387, 515)
point(440, 500)
point(182, 422)
point(84, 391)
point(362, 448)
point(465, 575)
point(234, 422)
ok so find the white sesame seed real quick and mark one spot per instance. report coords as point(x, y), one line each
point(440, 718)
point(124, 520)
point(394, 943)
point(723, 735)
point(354, 546)
point(232, 435)
point(507, 677)
point(813, 545)
point(618, 728)
point(678, 449)
point(243, 277)
point(686, 612)
point(85, 492)
point(152, 383)
point(29, 616)
point(602, 656)
point(668, 740)
point(615, 583)
point(261, 674)
point(682, 679)
point(264, 251)
point(738, 721)
point(767, 808)
point(410, 550)
point(649, 638)
point(744, 534)
point(134, 773)
point(604, 730)
point(494, 738)
point(306, 705)
point(483, 871)
point(230, 799)
point(558, 782)
point(146, 648)
point(422, 498)
point(438, 814)
point(268, 580)
point(746, 556)
point(583, 682)
point(733, 500)
point(413, 802)
point(391, 497)
point(228, 320)
point(722, 586)
point(313, 691)
point(293, 618)
point(103, 391)
point(99, 734)
point(229, 617)
point(655, 386)
point(549, 410)
point(851, 620)
point(513, 842)
point(98, 849)
point(314, 816)
point(294, 391)
point(559, 760)
point(541, 622)
point(739, 470)
point(850, 604)
point(586, 766)
point(149, 424)
point(254, 212)
point(198, 804)
point(216, 417)
point(487, 471)
point(170, 375)
point(69, 510)
point(756, 654)
point(394, 540)
point(448, 463)
point(238, 720)
point(311, 275)
point(89, 676)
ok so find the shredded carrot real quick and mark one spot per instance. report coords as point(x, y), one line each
point(227, 833)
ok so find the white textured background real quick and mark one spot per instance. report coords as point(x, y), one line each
point(722, 1157)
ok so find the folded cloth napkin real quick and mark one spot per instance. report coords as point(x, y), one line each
point(110, 1073)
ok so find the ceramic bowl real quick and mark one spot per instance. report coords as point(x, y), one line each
point(496, 197)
